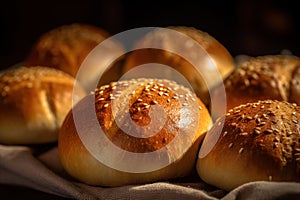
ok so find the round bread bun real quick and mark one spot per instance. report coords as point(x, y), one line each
point(67, 46)
point(259, 141)
point(34, 102)
point(164, 40)
point(165, 123)
point(275, 77)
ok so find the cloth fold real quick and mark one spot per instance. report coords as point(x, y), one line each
point(20, 166)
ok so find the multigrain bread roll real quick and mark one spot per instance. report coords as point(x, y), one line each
point(67, 46)
point(133, 131)
point(274, 77)
point(211, 56)
point(259, 141)
point(34, 102)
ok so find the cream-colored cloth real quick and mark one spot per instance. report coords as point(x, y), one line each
point(20, 166)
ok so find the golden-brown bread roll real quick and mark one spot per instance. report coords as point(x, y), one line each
point(34, 102)
point(217, 66)
point(67, 46)
point(274, 77)
point(259, 141)
point(133, 131)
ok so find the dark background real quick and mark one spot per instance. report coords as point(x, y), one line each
point(243, 27)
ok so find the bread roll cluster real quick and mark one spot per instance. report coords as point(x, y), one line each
point(149, 129)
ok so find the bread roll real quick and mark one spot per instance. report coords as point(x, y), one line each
point(259, 141)
point(265, 77)
point(211, 56)
point(34, 102)
point(134, 131)
point(67, 46)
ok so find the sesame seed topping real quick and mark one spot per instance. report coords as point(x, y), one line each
point(168, 100)
point(185, 104)
point(160, 93)
point(268, 131)
point(293, 113)
point(233, 124)
point(106, 105)
point(230, 145)
point(257, 132)
point(244, 133)
point(241, 150)
point(225, 133)
point(200, 108)
point(154, 102)
point(139, 100)
point(295, 121)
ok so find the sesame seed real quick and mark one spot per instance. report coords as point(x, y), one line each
point(112, 97)
point(154, 102)
point(139, 109)
point(256, 131)
point(160, 93)
point(262, 107)
point(255, 116)
point(276, 130)
point(106, 105)
point(262, 124)
point(139, 100)
point(249, 117)
point(241, 150)
point(200, 108)
point(293, 113)
point(185, 104)
point(295, 121)
point(268, 131)
point(193, 99)
point(166, 94)
point(175, 97)
point(244, 133)
point(219, 123)
point(289, 133)
point(230, 145)
point(277, 106)
point(246, 82)
point(225, 133)
point(168, 100)
point(233, 124)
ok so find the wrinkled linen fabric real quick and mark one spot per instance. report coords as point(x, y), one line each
point(21, 166)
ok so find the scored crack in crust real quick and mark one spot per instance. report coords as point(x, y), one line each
point(34, 102)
